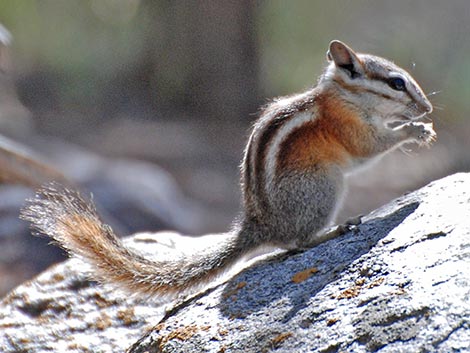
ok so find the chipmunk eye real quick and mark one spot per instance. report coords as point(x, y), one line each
point(397, 83)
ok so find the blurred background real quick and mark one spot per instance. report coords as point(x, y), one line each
point(148, 103)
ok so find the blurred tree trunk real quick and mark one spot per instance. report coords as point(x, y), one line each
point(205, 59)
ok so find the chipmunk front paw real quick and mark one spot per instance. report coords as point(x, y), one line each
point(423, 133)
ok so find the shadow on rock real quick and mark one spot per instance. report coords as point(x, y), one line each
point(273, 280)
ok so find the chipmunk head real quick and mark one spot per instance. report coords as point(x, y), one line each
point(374, 84)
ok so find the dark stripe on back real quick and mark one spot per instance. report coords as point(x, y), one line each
point(264, 140)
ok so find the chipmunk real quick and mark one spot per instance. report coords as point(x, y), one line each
point(293, 175)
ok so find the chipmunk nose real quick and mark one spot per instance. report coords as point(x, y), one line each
point(427, 106)
point(421, 102)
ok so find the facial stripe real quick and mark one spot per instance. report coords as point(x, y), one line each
point(362, 89)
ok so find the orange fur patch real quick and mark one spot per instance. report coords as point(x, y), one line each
point(336, 136)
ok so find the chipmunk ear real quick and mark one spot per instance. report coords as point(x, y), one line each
point(345, 58)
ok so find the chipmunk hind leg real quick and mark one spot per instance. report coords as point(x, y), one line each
point(303, 206)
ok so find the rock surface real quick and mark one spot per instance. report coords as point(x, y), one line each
point(61, 311)
point(399, 282)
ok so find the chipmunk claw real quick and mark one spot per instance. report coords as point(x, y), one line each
point(423, 133)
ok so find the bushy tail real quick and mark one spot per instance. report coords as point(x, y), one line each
point(65, 216)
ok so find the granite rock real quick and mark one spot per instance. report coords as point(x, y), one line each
point(398, 282)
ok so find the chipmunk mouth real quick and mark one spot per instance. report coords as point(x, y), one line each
point(402, 118)
point(409, 117)
point(419, 116)
point(397, 120)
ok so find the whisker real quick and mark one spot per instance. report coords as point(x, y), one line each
point(408, 152)
point(435, 119)
point(433, 93)
point(438, 105)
